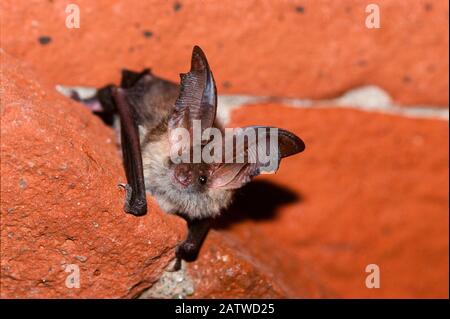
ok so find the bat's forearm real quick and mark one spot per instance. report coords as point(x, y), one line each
point(136, 202)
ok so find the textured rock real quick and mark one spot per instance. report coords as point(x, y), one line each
point(304, 48)
point(60, 203)
point(369, 189)
point(226, 270)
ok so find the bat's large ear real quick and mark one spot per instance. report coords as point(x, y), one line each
point(259, 151)
point(198, 95)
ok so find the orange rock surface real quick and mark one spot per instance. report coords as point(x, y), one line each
point(369, 189)
point(227, 269)
point(60, 204)
point(307, 48)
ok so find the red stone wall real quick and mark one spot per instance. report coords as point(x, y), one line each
point(375, 195)
point(370, 188)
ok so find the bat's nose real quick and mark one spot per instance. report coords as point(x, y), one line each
point(183, 174)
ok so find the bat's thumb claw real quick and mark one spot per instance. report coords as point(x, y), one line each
point(129, 192)
point(137, 208)
point(123, 185)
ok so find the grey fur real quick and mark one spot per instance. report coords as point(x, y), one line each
point(171, 196)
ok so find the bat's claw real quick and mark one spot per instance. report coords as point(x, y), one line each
point(176, 265)
point(137, 207)
point(186, 251)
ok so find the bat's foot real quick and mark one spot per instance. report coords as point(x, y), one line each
point(136, 208)
point(187, 251)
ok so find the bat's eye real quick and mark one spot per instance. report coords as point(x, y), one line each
point(202, 179)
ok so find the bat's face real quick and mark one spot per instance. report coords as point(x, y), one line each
point(185, 188)
point(193, 177)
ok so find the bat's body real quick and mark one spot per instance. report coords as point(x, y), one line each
point(150, 109)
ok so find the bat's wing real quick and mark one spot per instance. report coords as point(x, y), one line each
point(151, 97)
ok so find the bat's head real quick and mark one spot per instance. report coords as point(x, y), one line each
point(209, 159)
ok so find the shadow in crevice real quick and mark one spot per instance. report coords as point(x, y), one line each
point(258, 200)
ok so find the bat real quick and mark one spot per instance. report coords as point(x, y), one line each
point(150, 109)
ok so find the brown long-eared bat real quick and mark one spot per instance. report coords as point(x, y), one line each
point(150, 109)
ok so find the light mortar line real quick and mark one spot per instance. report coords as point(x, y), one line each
point(367, 98)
